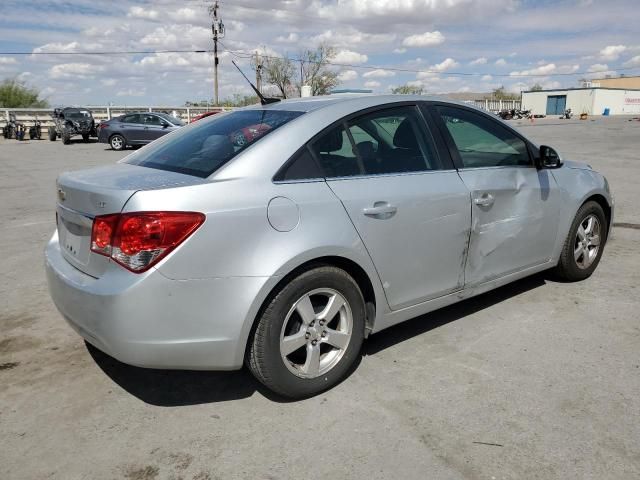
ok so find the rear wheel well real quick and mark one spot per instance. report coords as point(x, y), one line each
point(600, 200)
point(349, 266)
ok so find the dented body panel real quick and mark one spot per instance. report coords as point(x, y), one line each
point(444, 242)
point(518, 225)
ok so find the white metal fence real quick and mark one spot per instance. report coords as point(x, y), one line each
point(496, 105)
point(28, 115)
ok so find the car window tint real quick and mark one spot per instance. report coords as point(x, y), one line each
point(393, 140)
point(483, 142)
point(202, 147)
point(151, 120)
point(336, 155)
point(133, 118)
point(301, 167)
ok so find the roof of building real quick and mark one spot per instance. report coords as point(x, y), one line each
point(583, 88)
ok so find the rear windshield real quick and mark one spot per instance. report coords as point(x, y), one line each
point(202, 147)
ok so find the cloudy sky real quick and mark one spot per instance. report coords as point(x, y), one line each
point(442, 45)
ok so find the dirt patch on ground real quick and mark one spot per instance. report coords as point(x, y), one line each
point(17, 344)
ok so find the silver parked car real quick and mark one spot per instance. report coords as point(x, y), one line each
point(281, 236)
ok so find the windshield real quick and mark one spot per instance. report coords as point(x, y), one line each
point(171, 119)
point(202, 147)
point(76, 115)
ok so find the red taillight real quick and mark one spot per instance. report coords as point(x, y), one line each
point(139, 240)
point(103, 125)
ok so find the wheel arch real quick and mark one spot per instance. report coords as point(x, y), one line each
point(602, 201)
point(359, 274)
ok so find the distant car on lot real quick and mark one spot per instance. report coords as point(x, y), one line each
point(283, 235)
point(136, 129)
point(204, 115)
point(71, 121)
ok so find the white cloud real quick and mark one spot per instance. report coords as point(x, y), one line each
point(478, 61)
point(350, 57)
point(74, 70)
point(131, 92)
point(184, 15)
point(445, 65)
point(399, 50)
point(379, 73)
point(501, 62)
point(427, 39)
point(108, 82)
point(348, 37)
point(541, 70)
point(633, 62)
point(486, 78)
point(8, 61)
point(347, 75)
point(612, 52)
point(291, 38)
point(598, 67)
point(140, 12)
point(372, 84)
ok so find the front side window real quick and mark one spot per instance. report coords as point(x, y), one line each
point(483, 142)
point(151, 120)
point(393, 140)
point(202, 147)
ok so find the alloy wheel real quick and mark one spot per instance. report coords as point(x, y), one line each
point(587, 242)
point(316, 333)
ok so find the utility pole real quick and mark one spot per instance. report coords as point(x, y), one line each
point(217, 28)
point(258, 72)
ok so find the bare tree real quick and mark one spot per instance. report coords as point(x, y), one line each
point(407, 90)
point(315, 71)
point(280, 72)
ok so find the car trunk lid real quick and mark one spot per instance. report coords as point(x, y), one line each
point(85, 194)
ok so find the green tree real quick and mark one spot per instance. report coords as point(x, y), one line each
point(501, 93)
point(536, 88)
point(15, 94)
point(408, 90)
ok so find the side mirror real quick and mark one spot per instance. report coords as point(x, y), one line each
point(549, 158)
point(165, 124)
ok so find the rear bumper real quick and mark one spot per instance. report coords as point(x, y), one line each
point(151, 321)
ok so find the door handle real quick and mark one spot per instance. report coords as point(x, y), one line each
point(382, 210)
point(486, 200)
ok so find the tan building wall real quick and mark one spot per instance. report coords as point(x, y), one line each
point(618, 82)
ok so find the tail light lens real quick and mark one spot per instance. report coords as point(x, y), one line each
point(137, 241)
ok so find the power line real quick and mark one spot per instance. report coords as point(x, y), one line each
point(245, 55)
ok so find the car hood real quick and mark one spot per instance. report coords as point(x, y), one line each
point(576, 165)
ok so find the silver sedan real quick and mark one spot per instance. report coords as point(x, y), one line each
point(281, 236)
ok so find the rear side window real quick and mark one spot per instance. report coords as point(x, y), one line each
point(202, 147)
point(392, 140)
point(483, 142)
point(301, 167)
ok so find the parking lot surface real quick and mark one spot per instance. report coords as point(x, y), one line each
point(537, 379)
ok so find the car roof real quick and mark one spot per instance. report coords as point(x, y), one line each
point(361, 100)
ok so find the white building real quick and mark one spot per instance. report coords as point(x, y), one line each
point(591, 99)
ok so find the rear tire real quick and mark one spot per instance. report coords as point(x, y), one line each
point(309, 336)
point(52, 134)
point(584, 244)
point(66, 138)
point(85, 137)
point(117, 142)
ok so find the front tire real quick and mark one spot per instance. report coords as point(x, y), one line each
point(52, 134)
point(117, 142)
point(66, 138)
point(309, 336)
point(584, 245)
point(85, 137)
